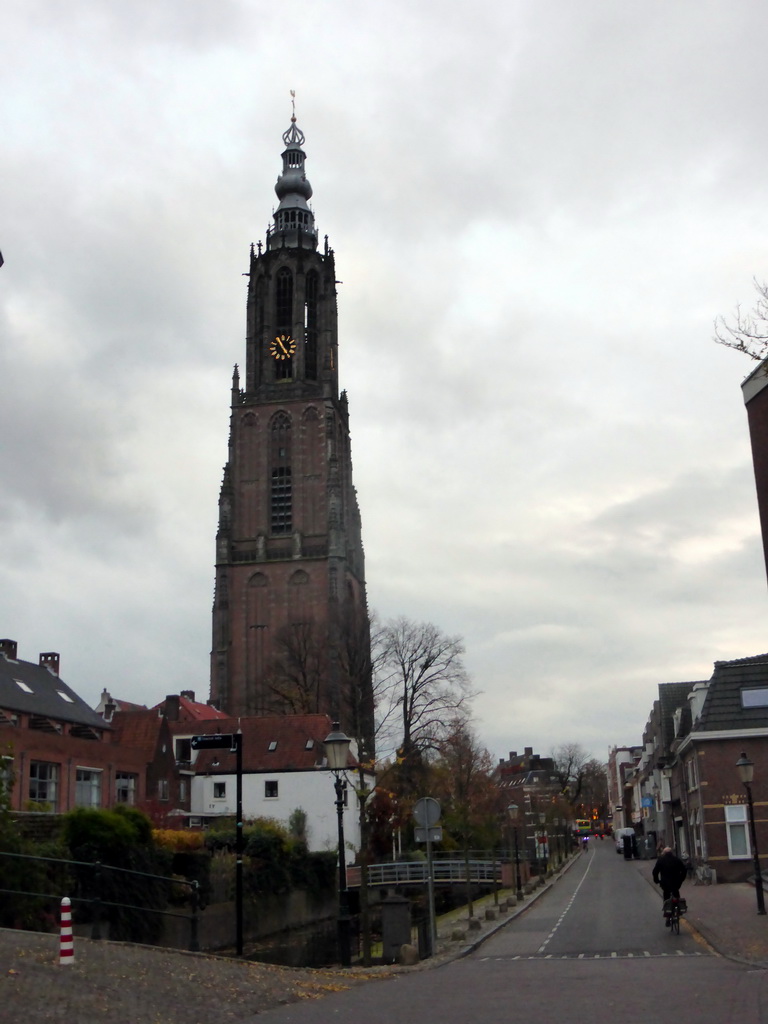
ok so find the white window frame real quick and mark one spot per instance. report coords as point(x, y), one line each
point(88, 788)
point(125, 788)
point(219, 791)
point(276, 794)
point(50, 780)
point(691, 773)
point(736, 819)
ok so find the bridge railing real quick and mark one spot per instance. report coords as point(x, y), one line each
point(414, 872)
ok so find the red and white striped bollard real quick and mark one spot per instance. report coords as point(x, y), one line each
point(66, 943)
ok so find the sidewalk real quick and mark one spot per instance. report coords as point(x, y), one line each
point(725, 916)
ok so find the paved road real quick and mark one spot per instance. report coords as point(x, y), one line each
point(594, 946)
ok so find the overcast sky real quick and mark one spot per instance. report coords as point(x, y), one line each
point(537, 210)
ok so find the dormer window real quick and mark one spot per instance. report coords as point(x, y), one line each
point(272, 746)
point(755, 697)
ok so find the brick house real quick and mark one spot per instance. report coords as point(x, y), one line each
point(60, 752)
point(722, 718)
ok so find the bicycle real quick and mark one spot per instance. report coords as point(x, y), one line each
point(674, 908)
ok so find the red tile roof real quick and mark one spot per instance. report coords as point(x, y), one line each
point(270, 743)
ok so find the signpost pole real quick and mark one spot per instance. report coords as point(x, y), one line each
point(427, 814)
point(431, 896)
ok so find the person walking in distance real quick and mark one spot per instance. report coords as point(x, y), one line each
point(669, 872)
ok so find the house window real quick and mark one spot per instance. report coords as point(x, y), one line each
point(183, 791)
point(272, 746)
point(270, 789)
point(125, 788)
point(87, 787)
point(736, 829)
point(219, 790)
point(162, 789)
point(755, 697)
point(184, 750)
point(43, 782)
point(23, 686)
point(691, 774)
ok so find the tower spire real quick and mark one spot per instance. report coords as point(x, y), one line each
point(294, 222)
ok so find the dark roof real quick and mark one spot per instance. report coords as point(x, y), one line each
point(723, 707)
point(42, 693)
point(296, 742)
point(671, 697)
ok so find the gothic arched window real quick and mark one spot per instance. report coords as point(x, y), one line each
point(281, 490)
point(310, 326)
point(284, 318)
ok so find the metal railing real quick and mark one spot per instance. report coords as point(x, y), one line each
point(97, 903)
point(415, 872)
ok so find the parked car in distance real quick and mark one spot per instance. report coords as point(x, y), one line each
point(619, 834)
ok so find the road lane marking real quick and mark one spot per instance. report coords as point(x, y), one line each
point(545, 943)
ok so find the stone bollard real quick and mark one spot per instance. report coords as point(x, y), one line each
point(458, 935)
point(409, 955)
point(473, 924)
point(490, 914)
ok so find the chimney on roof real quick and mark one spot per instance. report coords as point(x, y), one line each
point(528, 751)
point(172, 707)
point(8, 648)
point(109, 709)
point(50, 660)
point(189, 694)
point(512, 755)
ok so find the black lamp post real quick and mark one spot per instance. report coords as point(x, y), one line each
point(746, 770)
point(512, 812)
point(337, 753)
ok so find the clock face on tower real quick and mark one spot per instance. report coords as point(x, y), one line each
point(282, 347)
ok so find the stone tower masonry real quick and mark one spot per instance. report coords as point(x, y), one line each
point(290, 624)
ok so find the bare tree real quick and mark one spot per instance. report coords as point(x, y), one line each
point(424, 683)
point(580, 777)
point(359, 651)
point(298, 670)
point(748, 332)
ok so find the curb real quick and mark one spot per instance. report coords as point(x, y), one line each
point(471, 947)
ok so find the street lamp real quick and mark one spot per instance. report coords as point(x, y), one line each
point(746, 770)
point(337, 753)
point(512, 812)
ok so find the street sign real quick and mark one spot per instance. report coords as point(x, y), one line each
point(217, 742)
point(426, 812)
point(434, 834)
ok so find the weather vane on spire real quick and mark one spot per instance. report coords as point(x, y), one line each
point(293, 104)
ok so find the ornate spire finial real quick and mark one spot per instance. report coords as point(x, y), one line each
point(293, 105)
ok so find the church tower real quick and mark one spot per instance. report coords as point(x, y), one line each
point(290, 624)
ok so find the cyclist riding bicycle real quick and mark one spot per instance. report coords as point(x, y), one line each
point(669, 872)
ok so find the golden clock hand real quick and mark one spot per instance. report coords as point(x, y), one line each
point(282, 346)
